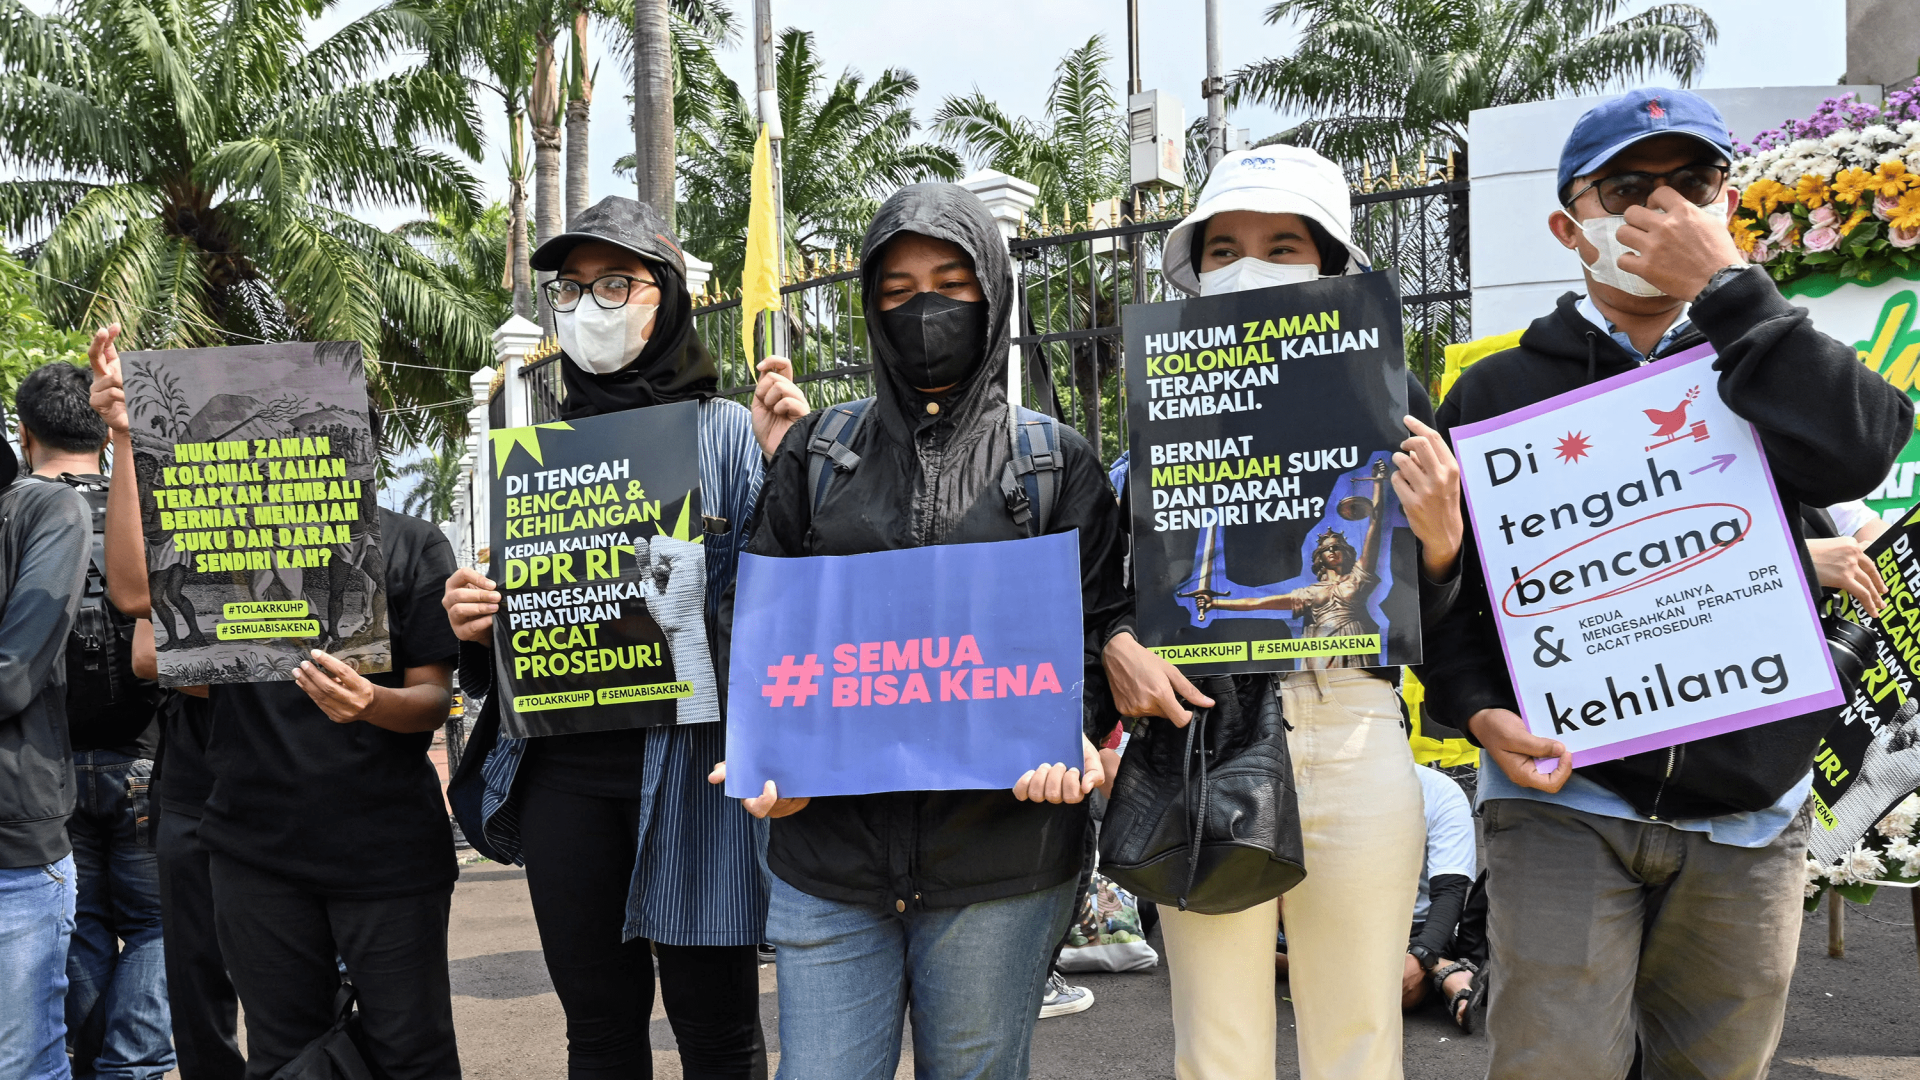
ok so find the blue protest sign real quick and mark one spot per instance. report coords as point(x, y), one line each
point(927, 669)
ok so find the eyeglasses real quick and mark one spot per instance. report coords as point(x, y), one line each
point(1698, 184)
point(612, 291)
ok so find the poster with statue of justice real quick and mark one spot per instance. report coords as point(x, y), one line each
point(1642, 573)
point(1266, 532)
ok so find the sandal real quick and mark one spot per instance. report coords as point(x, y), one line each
point(1460, 1002)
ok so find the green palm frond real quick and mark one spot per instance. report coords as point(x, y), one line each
point(1388, 77)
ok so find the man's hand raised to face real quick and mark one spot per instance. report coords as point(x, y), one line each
point(1681, 246)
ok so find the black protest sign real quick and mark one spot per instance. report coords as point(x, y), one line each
point(1870, 759)
point(596, 548)
point(257, 499)
point(1266, 534)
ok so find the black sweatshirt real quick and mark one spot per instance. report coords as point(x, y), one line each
point(1831, 429)
point(925, 479)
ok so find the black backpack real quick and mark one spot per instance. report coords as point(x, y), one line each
point(104, 696)
point(1030, 482)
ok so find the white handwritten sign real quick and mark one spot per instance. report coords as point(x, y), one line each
point(1642, 576)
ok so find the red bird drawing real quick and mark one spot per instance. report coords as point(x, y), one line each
point(1668, 421)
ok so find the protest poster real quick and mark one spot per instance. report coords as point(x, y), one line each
point(258, 504)
point(966, 680)
point(1870, 759)
point(1642, 574)
point(603, 579)
point(1266, 533)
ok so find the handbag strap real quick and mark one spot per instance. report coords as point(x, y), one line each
point(1195, 731)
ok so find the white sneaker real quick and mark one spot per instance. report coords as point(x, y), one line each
point(1064, 1000)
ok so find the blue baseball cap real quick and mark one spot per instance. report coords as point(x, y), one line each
point(1613, 125)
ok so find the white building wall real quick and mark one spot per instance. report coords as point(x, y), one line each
point(1518, 268)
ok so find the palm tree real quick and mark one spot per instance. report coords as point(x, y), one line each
point(1391, 77)
point(1076, 153)
point(848, 145)
point(436, 485)
point(493, 42)
point(187, 165)
point(696, 27)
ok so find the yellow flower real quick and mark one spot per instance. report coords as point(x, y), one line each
point(1745, 232)
point(1764, 196)
point(1812, 191)
point(1858, 216)
point(1908, 214)
point(1850, 183)
point(1891, 178)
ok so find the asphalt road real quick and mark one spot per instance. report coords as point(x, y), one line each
point(1856, 1018)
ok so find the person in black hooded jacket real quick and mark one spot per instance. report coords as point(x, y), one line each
point(950, 900)
point(1654, 899)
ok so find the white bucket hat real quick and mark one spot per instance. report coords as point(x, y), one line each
point(1267, 180)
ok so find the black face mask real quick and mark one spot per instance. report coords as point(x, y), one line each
point(940, 341)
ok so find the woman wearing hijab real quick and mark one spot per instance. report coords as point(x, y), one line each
point(1279, 215)
point(629, 854)
point(945, 903)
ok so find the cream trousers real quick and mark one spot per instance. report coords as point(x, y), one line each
point(1365, 835)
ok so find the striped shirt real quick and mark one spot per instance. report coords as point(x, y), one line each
point(697, 879)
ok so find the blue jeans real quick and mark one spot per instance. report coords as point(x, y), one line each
point(36, 919)
point(117, 1020)
point(972, 975)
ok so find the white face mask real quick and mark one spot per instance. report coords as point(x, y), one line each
point(1247, 273)
point(1604, 234)
point(603, 340)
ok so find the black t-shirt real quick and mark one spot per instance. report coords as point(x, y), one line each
point(352, 811)
point(184, 779)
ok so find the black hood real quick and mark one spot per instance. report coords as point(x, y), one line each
point(1565, 334)
point(951, 213)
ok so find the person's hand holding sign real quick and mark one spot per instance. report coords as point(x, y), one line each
point(342, 693)
point(777, 403)
point(767, 804)
point(470, 601)
point(1842, 563)
point(1056, 783)
point(1427, 479)
point(1519, 752)
point(1145, 684)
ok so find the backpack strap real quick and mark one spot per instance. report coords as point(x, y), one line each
point(1031, 480)
point(832, 444)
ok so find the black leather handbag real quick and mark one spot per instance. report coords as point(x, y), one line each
point(1206, 818)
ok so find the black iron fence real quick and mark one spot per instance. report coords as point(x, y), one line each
point(1072, 287)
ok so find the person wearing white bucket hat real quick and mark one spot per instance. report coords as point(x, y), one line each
point(1270, 216)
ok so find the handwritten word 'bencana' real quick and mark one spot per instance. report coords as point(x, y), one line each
point(962, 673)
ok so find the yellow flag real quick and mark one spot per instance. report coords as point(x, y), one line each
point(760, 277)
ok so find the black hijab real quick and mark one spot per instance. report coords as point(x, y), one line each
point(674, 365)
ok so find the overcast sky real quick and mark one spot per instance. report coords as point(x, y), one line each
point(1008, 48)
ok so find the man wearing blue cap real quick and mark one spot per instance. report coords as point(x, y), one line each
point(1655, 899)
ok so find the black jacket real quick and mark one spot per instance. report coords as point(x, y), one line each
point(1831, 429)
point(44, 535)
point(934, 479)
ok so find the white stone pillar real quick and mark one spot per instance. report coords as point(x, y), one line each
point(475, 482)
point(699, 272)
point(511, 343)
point(1008, 198)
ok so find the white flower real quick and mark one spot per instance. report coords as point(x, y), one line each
point(1860, 864)
point(1901, 819)
point(1816, 877)
point(1906, 854)
point(1841, 139)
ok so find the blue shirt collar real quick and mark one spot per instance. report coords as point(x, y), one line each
point(1681, 325)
